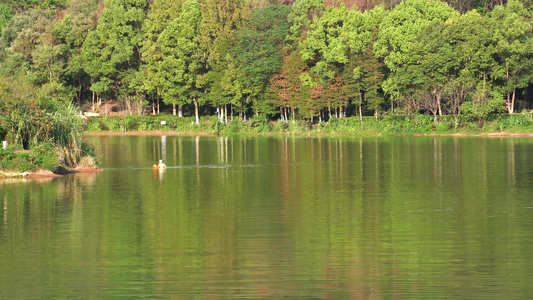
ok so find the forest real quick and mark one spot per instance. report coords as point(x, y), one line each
point(307, 60)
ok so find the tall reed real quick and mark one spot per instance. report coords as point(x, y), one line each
point(67, 132)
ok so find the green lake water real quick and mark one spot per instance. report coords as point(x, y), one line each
point(272, 218)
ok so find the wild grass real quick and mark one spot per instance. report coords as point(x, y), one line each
point(43, 138)
point(369, 126)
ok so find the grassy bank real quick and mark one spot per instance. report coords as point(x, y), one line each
point(369, 126)
point(46, 157)
point(42, 137)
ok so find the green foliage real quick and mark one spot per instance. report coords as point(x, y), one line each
point(260, 124)
point(482, 105)
point(160, 14)
point(112, 51)
point(18, 162)
point(21, 35)
point(29, 124)
point(26, 4)
point(303, 13)
point(297, 61)
point(44, 156)
point(258, 50)
point(513, 43)
point(6, 13)
point(398, 42)
point(181, 62)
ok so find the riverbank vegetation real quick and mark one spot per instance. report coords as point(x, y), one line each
point(274, 64)
point(518, 123)
point(41, 134)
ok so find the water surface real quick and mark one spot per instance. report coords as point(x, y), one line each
point(267, 217)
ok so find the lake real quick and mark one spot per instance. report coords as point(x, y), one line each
point(275, 217)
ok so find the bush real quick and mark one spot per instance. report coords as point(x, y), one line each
point(131, 123)
point(20, 162)
point(259, 124)
point(44, 156)
point(94, 126)
point(6, 155)
point(442, 127)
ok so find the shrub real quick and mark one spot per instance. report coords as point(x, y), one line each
point(20, 163)
point(112, 124)
point(131, 123)
point(442, 127)
point(44, 156)
point(94, 126)
point(259, 124)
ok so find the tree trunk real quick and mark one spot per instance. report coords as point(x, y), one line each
point(128, 104)
point(512, 102)
point(292, 115)
point(153, 105)
point(226, 113)
point(93, 99)
point(440, 105)
point(180, 111)
point(174, 109)
point(360, 107)
point(508, 103)
point(196, 111)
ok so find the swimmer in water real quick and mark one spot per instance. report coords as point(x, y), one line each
point(161, 165)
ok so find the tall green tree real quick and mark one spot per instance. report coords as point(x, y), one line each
point(160, 14)
point(258, 52)
point(70, 33)
point(21, 35)
point(399, 32)
point(183, 64)
point(433, 62)
point(326, 46)
point(112, 51)
point(479, 68)
point(220, 22)
point(470, 80)
point(514, 46)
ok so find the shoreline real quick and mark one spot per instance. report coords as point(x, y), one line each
point(60, 172)
point(154, 133)
point(177, 133)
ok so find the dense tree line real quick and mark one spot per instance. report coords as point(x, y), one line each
point(292, 59)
